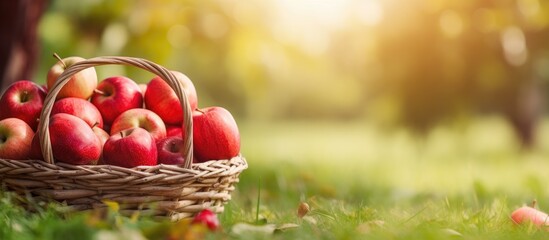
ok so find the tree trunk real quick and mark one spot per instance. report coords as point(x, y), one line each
point(19, 45)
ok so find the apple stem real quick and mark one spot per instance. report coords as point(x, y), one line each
point(60, 60)
point(121, 133)
point(95, 124)
point(99, 92)
point(200, 110)
point(534, 203)
point(25, 96)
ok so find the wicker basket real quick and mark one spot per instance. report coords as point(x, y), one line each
point(163, 191)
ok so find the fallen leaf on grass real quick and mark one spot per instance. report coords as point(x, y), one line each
point(452, 232)
point(245, 229)
point(123, 233)
point(112, 205)
point(286, 226)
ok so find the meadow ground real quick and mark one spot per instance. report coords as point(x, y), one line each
point(360, 183)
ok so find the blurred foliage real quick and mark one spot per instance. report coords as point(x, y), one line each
point(416, 62)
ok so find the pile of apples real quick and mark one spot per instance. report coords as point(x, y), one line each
point(115, 121)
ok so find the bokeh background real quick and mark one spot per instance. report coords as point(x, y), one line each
point(411, 64)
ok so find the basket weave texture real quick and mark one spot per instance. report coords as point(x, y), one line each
point(162, 191)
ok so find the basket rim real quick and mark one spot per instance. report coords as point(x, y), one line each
point(197, 169)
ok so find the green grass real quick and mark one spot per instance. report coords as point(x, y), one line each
point(360, 183)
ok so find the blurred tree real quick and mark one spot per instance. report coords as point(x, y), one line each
point(415, 62)
point(474, 56)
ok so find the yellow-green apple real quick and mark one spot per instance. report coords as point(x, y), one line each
point(80, 108)
point(161, 98)
point(174, 130)
point(215, 134)
point(169, 151)
point(143, 118)
point(73, 140)
point(24, 100)
point(80, 85)
point(15, 139)
point(130, 148)
point(115, 95)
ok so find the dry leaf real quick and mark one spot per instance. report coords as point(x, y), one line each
point(286, 226)
point(303, 209)
point(245, 228)
point(452, 232)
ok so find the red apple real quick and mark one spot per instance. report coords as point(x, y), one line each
point(15, 139)
point(172, 130)
point(73, 140)
point(530, 215)
point(161, 98)
point(215, 134)
point(45, 87)
point(169, 151)
point(207, 218)
point(130, 148)
point(35, 151)
point(116, 95)
point(80, 108)
point(103, 136)
point(80, 85)
point(143, 118)
point(24, 100)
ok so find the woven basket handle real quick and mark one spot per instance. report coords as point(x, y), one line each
point(152, 67)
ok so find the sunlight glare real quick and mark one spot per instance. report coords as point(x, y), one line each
point(451, 23)
point(369, 12)
point(514, 46)
point(309, 23)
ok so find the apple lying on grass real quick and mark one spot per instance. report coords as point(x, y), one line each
point(161, 98)
point(215, 134)
point(143, 118)
point(23, 100)
point(207, 218)
point(130, 148)
point(80, 85)
point(80, 108)
point(73, 140)
point(527, 214)
point(116, 95)
point(15, 139)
